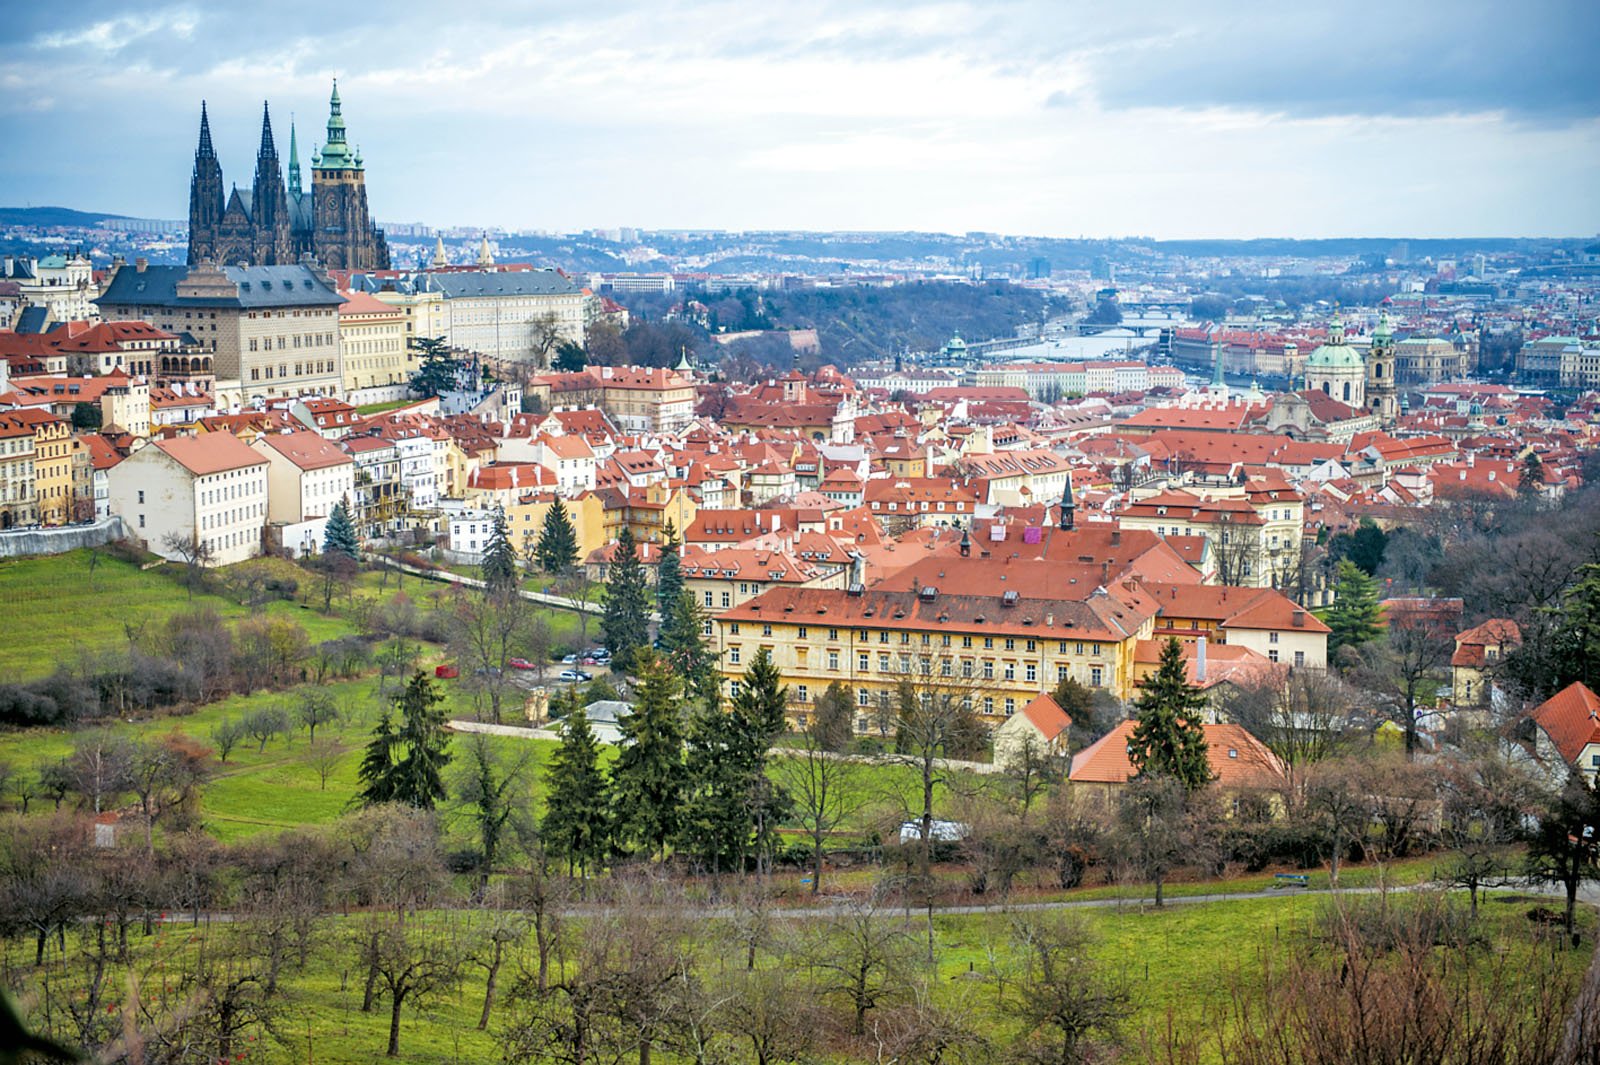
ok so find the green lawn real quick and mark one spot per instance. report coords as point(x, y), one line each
point(379, 408)
point(59, 610)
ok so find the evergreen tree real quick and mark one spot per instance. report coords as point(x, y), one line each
point(556, 550)
point(648, 779)
point(499, 560)
point(570, 358)
point(833, 724)
point(339, 534)
point(1168, 740)
point(1530, 479)
point(418, 774)
point(377, 764)
point(574, 825)
point(669, 575)
point(683, 643)
point(1353, 617)
point(437, 370)
point(625, 625)
point(732, 804)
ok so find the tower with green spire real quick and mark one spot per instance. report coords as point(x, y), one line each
point(294, 163)
point(1382, 398)
point(342, 234)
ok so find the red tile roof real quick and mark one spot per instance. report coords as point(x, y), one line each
point(1571, 718)
point(1237, 759)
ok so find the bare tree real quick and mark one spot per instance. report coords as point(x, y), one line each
point(862, 955)
point(414, 961)
point(1301, 715)
point(1070, 1012)
point(1161, 826)
point(826, 793)
point(324, 756)
point(195, 554)
point(1407, 668)
point(486, 632)
point(1337, 798)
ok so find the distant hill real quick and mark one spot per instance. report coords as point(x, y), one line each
point(51, 216)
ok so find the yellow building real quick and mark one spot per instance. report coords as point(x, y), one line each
point(60, 470)
point(18, 504)
point(525, 519)
point(995, 652)
point(722, 580)
point(372, 343)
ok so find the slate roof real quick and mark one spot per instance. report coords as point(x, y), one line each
point(502, 283)
point(257, 286)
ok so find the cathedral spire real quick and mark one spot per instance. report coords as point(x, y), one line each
point(205, 150)
point(267, 147)
point(294, 163)
point(336, 152)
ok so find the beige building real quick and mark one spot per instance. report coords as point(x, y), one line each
point(18, 506)
point(270, 330)
point(307, 476)
point(211, 488)
point(1428, 360)
point(372, 343)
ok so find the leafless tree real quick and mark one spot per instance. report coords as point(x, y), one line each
point(194, 552)
point(863, 956)
point(1336, 796)
point(826, 791)
point(414, 962)
point(324, 755)
point(1070, 1012)
point(1160, 827)
point(486, 632)
point(1300, 714)
point(1406, 668)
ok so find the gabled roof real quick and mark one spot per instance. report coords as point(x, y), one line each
point(1046, 716)
point(1237, 759)
point(209, 453)
point(306, 449)
point(1571, 718)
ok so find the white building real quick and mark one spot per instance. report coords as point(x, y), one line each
point(470, 531)
point(210, 488)
point(306, 478)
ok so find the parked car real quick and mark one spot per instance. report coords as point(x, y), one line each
point(520, 663)
point(446, 672)
point(599, 652)
point(591, 661)
point(575, 675)
point(569, 660)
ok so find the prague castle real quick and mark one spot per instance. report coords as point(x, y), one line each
point(275, 225)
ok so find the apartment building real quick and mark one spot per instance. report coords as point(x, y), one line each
point(209, 489)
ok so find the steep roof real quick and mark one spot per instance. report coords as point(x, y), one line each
point(1571, 718)
point(1046, 715)
point(307, 450)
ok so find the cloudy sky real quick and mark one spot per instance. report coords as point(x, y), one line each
point(1064, 118)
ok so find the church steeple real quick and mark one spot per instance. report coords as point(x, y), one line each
point(205, 195)
point(439, 260)
point(1069, 508)
point(269, 206)
point(294, 163)
point(336, 152)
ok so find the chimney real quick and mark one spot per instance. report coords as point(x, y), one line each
point(1299, 619)
point(140, 264)
point(1200, 660)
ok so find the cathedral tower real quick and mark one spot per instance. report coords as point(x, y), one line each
point(269, 205)
point(205, 195)
point(342, 235)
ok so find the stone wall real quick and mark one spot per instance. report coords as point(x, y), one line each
point(15, 543)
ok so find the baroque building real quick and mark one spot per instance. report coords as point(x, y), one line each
point(277, 223)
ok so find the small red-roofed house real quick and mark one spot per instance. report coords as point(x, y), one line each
point(1039, 733)
point(1241, 765)
point(1478, 651)
point(1566, 732)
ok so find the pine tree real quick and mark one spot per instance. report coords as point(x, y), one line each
point(418, 775)
point(669, 575)
point(648, 779)
point(833, 724)
point(625, 625)
point(556, 551)
point(339, 534)
point(683, 644)
point(377, 764)
point(1168, 739)
point(1530, 479)
point(1353, 617)
point(499, 560)
point(574, 825)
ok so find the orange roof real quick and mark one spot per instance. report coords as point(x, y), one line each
point(307, 450)
point(1471, 646)
point(1047, 716)
point(1571, 718)
point(1237, 759)
point(210, 453)
point(364, 303)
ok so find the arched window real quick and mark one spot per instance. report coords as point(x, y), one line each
point(1347, 391)
point(1326, 390)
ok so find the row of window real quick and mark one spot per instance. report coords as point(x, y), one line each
point(297, 340)
point(1009, 643)
point(319, 366)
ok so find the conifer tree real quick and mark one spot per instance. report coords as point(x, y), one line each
point(556, 550)
point(574, 826)
point(648, 778)
point(1168, 739)
point(625, 625)
point(499, 560)
point(377, 764)
point(418, 774)
point(1530, 479)
point(669, 575)
point(683, 643)
point(1353, 617)
point(733, 806)
point(339, 534)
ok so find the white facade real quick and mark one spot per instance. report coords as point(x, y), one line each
point(158, 495)
point(298, 491)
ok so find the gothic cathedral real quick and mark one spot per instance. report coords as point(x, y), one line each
point(275, 226)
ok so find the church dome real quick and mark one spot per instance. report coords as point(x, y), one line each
point(1335, 354)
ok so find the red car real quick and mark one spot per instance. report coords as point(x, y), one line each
point(520, 663)
point(446, 672)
